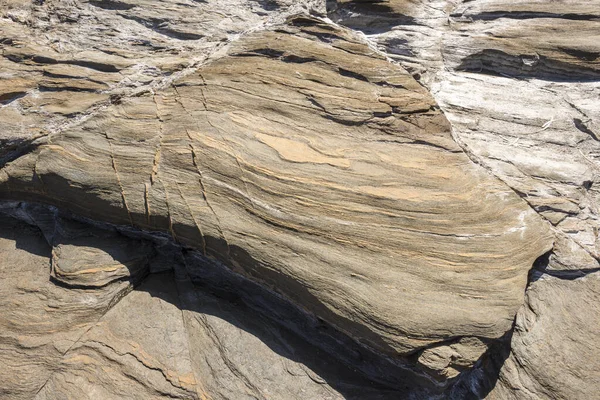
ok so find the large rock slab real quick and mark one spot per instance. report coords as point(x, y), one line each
point(303, 159)
point(518, 81)
point(563, 364)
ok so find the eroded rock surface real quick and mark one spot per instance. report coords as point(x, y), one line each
point(518, 80)
point(297, 159)
point(166, 339)
point(308, 156)
point(40, 321)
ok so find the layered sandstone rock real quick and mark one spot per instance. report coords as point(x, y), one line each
point(518, 81)
point(166, 339)
point(202, 138)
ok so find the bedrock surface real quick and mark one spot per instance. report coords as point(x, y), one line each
point(519, 83)
point(365, 170)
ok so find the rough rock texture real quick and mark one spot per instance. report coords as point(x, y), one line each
point(563, 365)
point(301, 168)
point(519, 82)
point(166, 339)
point(40, 321)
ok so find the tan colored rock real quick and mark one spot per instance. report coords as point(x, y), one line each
point(315, 167)
point(166, 339)
point(84, 256)
point(300, 157)
point(518, 81)
point(39, 321)
point(562, 364)
point(448, 361)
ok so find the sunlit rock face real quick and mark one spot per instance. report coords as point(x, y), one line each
point(273, 199)
point(519, 82)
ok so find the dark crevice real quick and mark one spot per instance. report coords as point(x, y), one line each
point(345, 121)
point(44, 88)
point(492, 15)
point(271, 53)
point(369, 16)
point(572, 275)
point(541, 268)
point(398, 46)
point(541, 209)
point(268, 5)
point(291, 58)
point(316, 104)
point(98, 66)
point(102, 67)
point(499, 63)
point(112, 5)
point(478, 382)
point(382, 114)
point(10, 150)
point(581, 126)
point(66, 76)
point(589, 56)
point(9, 97)
point(351, 74)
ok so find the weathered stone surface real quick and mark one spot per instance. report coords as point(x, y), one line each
point(166, 339)
point(554, 344)
point(87, 256)
point(297, 159)
point(294, 152)
point(39, 321)
point(518, 80)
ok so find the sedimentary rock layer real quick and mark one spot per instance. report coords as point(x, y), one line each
point(519, 82)
point(303, 159)
point(166, 339)
point(394, 171)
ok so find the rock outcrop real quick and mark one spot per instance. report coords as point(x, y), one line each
point(518, 80)
point(334, 203)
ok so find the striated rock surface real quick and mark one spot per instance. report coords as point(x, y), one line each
point(40, 321)
point(518, 81)
point(340, 203)
point(562, 364)
point(299, 162)
point(166, 339)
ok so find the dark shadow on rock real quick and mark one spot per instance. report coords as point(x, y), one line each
point(220, 281)
point(11, 149)
point(370, 16)
point(541, 267)
point(496, 62)
point(232, 308)
point(268, 5)
point(478, 382)
point(26, 237)
point(344, 364)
